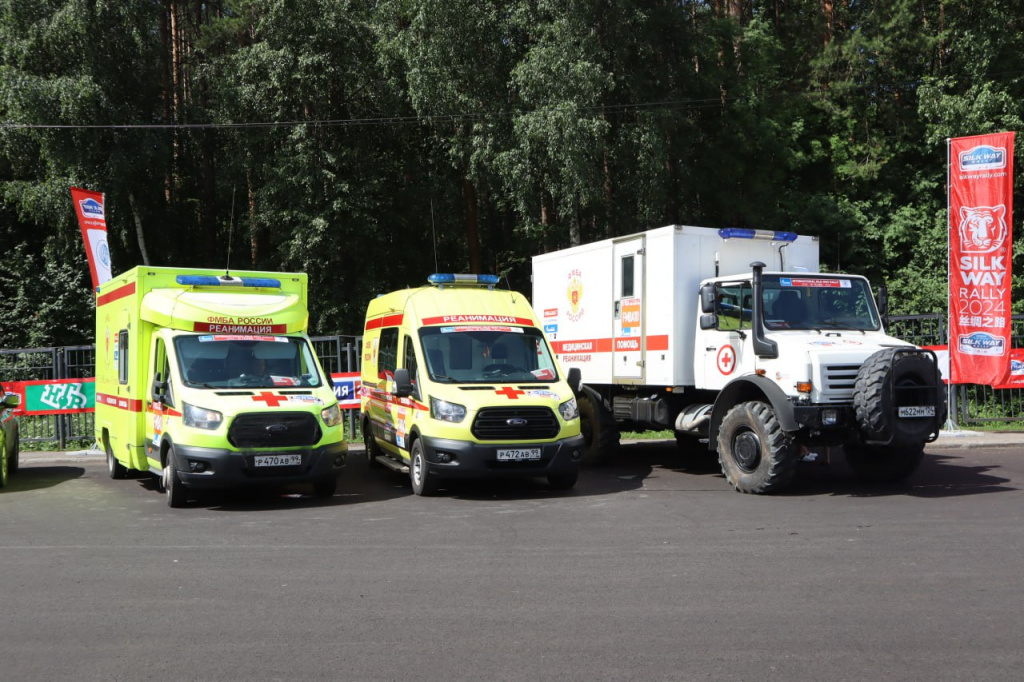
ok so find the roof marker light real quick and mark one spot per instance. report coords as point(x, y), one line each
point(747, 233)
point(225, 281)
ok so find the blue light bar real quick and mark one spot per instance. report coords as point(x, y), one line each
point(746, 233)
point(225, 281)
point(449, 278)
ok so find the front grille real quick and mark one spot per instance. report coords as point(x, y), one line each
point(274, 430)
point(841, 378)
point(493, 423)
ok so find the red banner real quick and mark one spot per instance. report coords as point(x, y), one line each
point(980, 253)
point(92, 220)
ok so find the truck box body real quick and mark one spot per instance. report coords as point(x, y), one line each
point(623, 310)
point(175, 343)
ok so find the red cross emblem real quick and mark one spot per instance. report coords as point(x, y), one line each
point(510, 393)
point(726, 359)
point(271, 399)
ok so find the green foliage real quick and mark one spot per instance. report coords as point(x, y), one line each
point(369, 144)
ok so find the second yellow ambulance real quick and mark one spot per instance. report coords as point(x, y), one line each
point(458, 381)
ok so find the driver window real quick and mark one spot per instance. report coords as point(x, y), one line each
point(733, 305)
point(409, 359)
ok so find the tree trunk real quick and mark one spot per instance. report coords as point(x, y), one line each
point(139, 234)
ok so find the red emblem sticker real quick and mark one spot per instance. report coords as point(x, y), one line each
point(726, 359)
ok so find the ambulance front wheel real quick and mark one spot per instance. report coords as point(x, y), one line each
point(423, 482)
point(114, 468)
point(170, 481)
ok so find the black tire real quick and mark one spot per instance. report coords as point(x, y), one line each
point(14, 457)
point(562, 481)
point(884, 464)
point(371, 449)
point(114, 468)
point(913, 377)
point(423, 482)
point(177, 495)
point(600, 434)
point(325, 487)
point(756, 455)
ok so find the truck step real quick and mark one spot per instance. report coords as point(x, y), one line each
point(392, 464)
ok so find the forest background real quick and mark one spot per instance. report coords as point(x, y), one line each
point(369, 143)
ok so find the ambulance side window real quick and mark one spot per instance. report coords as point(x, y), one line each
point(387, 358)
point(162, 366)
point(734, 306)
point(409, 359)
point(627, 276)
point(122, 357)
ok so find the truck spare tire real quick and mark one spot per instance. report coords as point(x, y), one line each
point(894, 378)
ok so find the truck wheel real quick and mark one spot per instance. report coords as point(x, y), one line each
point(875, 404)
point(173, 489)
point(600, 435)
point(423, 482)
point(755, 453)
point(325, 487)
point(114, 468)
point(884, 464)
point(370, 446)
point(562, 481)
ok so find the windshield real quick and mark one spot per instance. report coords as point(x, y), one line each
point(487, 354)
point(818, 302)
point(214, 361)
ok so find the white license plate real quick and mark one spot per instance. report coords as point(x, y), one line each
point(278, 460)
point(917, 411)
point(518, 454)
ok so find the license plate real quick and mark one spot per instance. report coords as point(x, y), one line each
point(518, 454)
point(917, 411)
point(278, 460)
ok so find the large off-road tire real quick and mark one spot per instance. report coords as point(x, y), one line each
point(600, 434)
point(423, 482)
point(884, 464)
point(177, 495)
point(370, 447)
point(885, 383)
point(114, 468)
point(756, 455)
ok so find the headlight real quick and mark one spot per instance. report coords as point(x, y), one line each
point(446, 411)
point(331, 416)
point(568, 410)
point(200, 417)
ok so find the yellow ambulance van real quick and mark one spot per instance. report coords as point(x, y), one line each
point(458, 381)
point(208, 380)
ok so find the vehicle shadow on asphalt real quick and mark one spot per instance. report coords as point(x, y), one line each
point(940, 475)
point(40, 477)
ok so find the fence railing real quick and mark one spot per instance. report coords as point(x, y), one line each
point(971, 403)
point(337, 354)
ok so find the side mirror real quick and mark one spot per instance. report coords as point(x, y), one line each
point(573, 377)
point(882, 301)
point(158, 389)
point(403, 385)
point(707, 299)
point(11, 401)
point(709, 321)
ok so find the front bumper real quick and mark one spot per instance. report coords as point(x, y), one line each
point(209, 468)
point(478, 460)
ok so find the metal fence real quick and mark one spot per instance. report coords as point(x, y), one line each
point(969, 403)
point(336, 353)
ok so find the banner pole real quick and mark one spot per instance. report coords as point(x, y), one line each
point(950, 424)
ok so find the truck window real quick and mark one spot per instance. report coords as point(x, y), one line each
point(387, 358)
point(819, 302)
point(122, 357)
point(733, 306)
point(162, 367)
point(627, 277)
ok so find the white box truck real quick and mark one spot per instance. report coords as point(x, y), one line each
point(733, 338)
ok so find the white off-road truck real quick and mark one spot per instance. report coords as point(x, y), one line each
point(734, 339)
